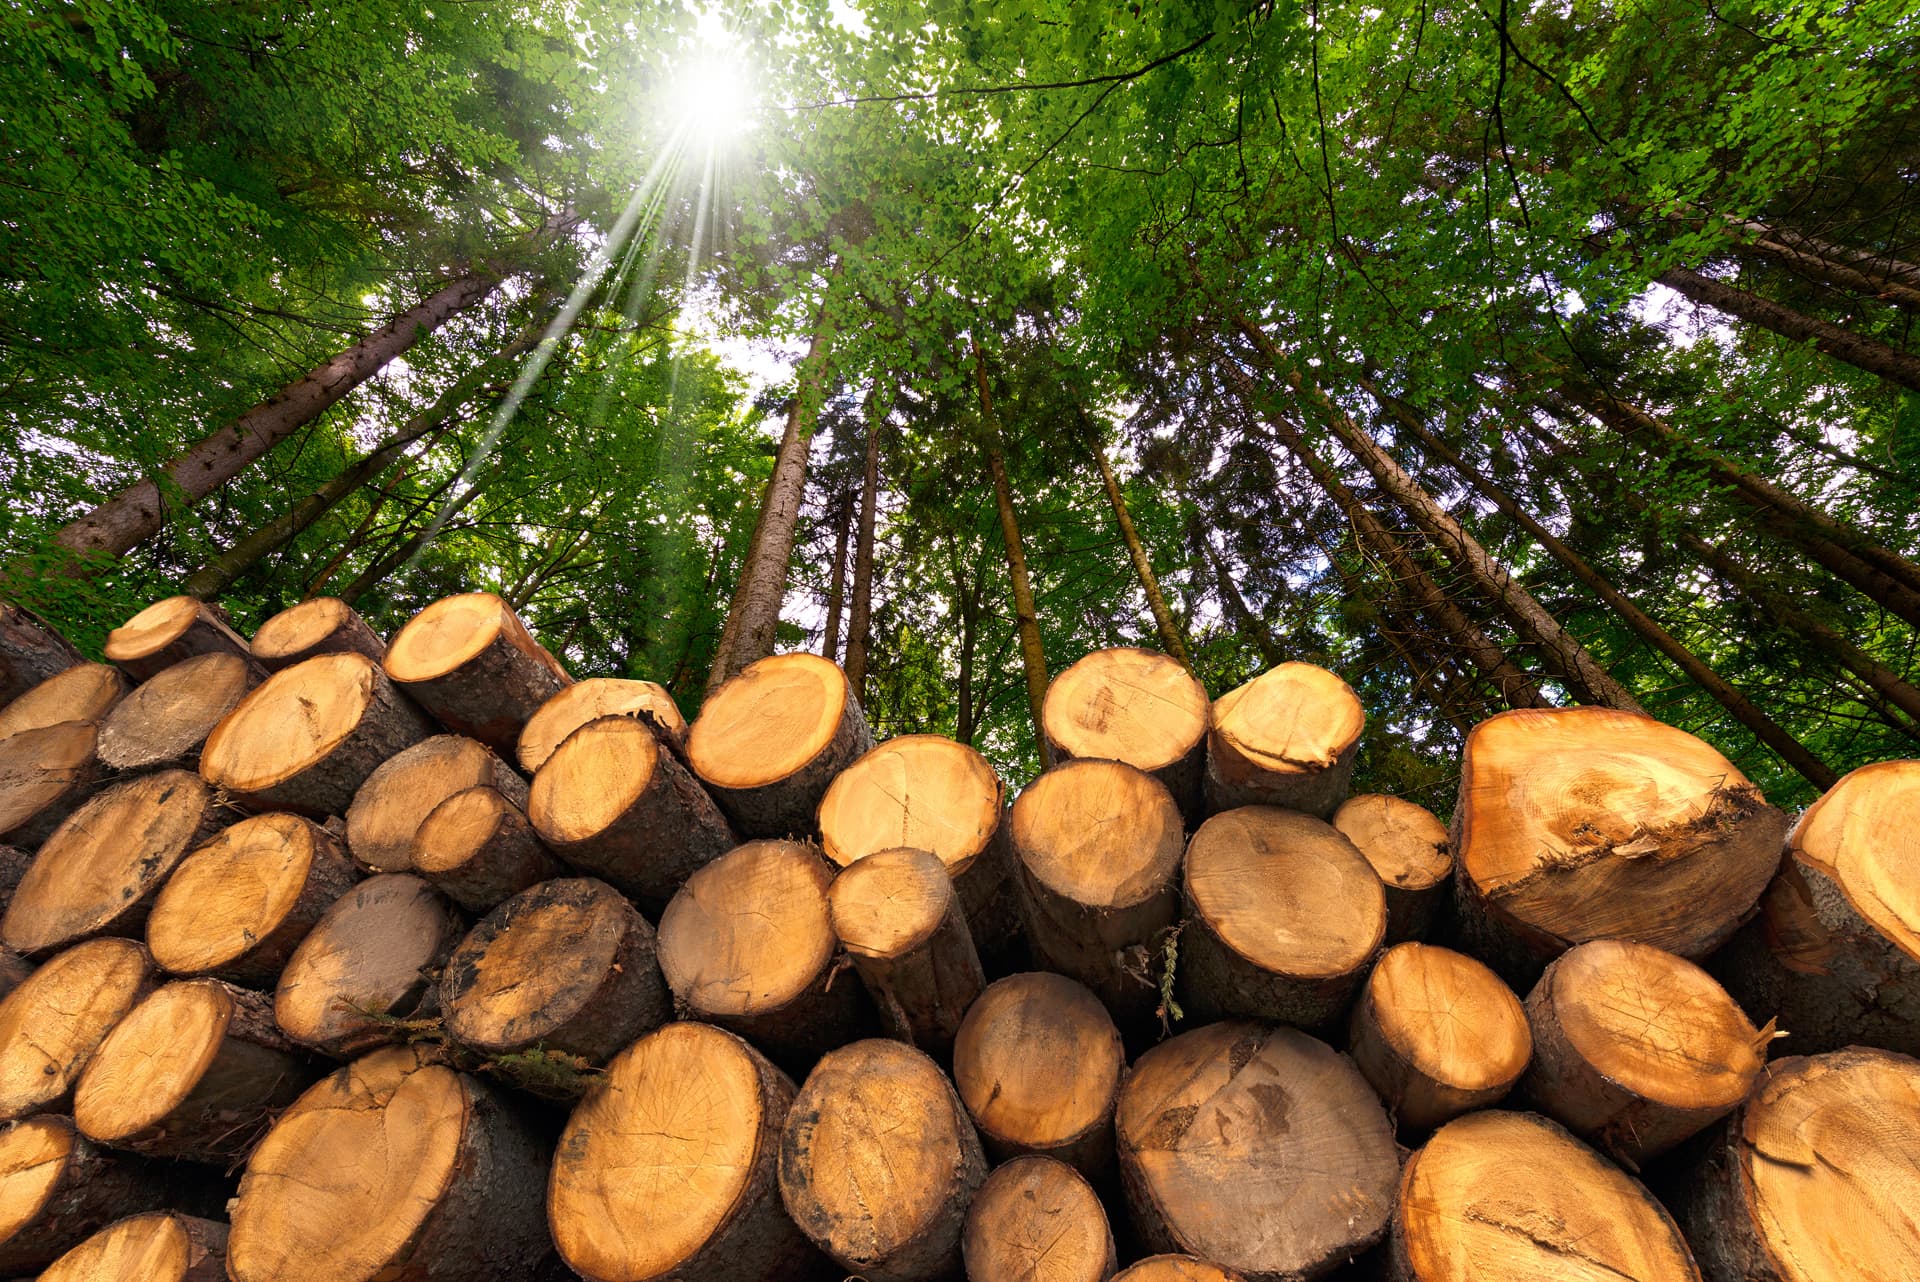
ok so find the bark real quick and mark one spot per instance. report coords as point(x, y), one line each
point(837, 591)
point(1149, 583)
point(1837, 341)
point(860, 611)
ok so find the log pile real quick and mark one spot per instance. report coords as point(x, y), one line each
point(337, 957)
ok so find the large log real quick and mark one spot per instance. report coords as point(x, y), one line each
point(1283, 915)
point(1288, 737)
point(479, 849)
point(51, 1025)
point(163, 724)
point(393, 1168)
point(403, 790)
point(1259, 1148)
point(1590, 823)
point(1408, 847)
point(100, 870)
point(56, 1189)
point(1176, 1268)
point(748, 944)
point(323, 625)
point(589, 700)
point(1437, 1034)
point(159, 1246)
point(896, 914)
point(878, 1162)
point(84, 692)
point(308, 736)
point(45, 775)
point(1134, 706)
point(613, 802)
point(1034, 1219)
point(1096, 848)
point(237, 906)
point(1510, 1197)
point(471, 662)
point(1038, 1063)
point(30, 652)
point(365, 965)
point(168, 631)
point(668, 1168)
point(196, 1070)
point(773, 736)
point(933, 794)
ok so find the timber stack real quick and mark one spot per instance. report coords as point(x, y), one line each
point(332, 957)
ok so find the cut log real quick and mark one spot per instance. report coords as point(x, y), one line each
point(1096, 848)
point(56, 1189)
point(388, 809)
point(308, 736)
point(237, 906)
point(1176, 1268)
point(1815, 1177)
point(1635, 1049)
point(1133, 706)
point(932, 794)
point(471, 662)
point(163, 724)
point(1035, 1219)
point(748, 944)
point(479, 849)
point(589, 700)
point(1835, 952)
point(612, 802)
point(45, 775)
point(667, 1169)
point(100, 870)
point(168, 631)
point(160, 1246)
point(1408, 848)
point(1510, 1197)
point(84, 692)
point(364, 968)
point(324, 625)
point(878, 1162)
point(1590, 823)
point(30, 652)
point(1283, 915)
point(393, 1168)
point(51, 1025)
point(567, 966)
point(195, 1071)
point(1286, 738)
point(768, 742)
point(1259, 1148)
point(896, 914)
point(1038, 1063)
point(1437, 1034)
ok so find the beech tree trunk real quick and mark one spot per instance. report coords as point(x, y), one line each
point(1837, 341)
point(1033, 655)
point(860, 612)
point(1142, 567)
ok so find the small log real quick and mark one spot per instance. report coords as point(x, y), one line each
point(84, 692)
point(51, 1025)
point(1437, 1035)
point(1176, 1268)
point(589, 700)
point(323, 625)
point(878, 1162)
point(667, 1169)
point(768, 742)
point(394, 1168)
point(163, 724)
point(195, 1071)
point(1408, 848)
point(1037, 1218)
point(1288, 738)
point(471, 662)
point(1283, 916)
point(1635, 1049)
point(363, 970)
point(159, 1246)
point(1589, 823)
point(932, 794)
point(1038, 1063)
point(56, 1189)
point(1096, 848)
point(479, 849)
point(612, 802)
point(237, 906)
point(45, 775)
point(403, 790)
point(566, 966)
point(896, 914)
point(748, 944)
point(30, 652)
point(1259, 1148)
point(308, 736)
point(1510, 1197)
point(1134, 706)
point(100, 870)
point(168, 631)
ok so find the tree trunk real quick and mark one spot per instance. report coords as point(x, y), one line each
point(861, 612)
point(1142, 567)
point(1033, 656)
point(837, 590)
point(896, 914)
point(1837, 341)
point(1037, 1218)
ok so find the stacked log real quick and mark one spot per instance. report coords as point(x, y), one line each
point(1289, 737)
point(163, 724)
point(1137, 707)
